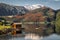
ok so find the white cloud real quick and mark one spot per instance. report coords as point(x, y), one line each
point(57, 0)
point(53, 0)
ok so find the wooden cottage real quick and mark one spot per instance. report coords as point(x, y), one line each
point(17, 28)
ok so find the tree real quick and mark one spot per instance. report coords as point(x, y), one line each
point(3, 21)
point(57, 24)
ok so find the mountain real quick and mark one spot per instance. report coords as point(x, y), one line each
point(33, 7)
point(39, 14)
point(7, 10)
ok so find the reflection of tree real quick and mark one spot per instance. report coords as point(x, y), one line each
point(37, 22)
point(36, 18)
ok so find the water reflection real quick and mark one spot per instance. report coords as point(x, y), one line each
point(33, 37)
point(52, 37)
point(5, 37)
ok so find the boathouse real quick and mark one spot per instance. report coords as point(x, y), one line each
point(17, 28)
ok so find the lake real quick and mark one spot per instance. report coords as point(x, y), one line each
point(32, 36)
point(34, 32)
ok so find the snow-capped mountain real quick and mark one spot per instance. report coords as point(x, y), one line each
point(32, 7)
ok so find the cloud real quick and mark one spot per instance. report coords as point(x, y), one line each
point(56, 0)
point(53, 0)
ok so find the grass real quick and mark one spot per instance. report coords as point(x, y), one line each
point(4, 27)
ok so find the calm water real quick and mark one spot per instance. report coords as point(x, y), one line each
point(32, 36)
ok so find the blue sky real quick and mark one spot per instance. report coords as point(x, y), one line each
point(55, 4)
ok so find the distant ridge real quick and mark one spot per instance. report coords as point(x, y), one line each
point(9, 10)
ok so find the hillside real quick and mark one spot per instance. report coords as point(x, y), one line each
point(7, 10)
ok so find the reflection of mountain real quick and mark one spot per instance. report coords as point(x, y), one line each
point(33, 37)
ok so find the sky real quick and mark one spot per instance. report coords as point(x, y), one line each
point(54, 4)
